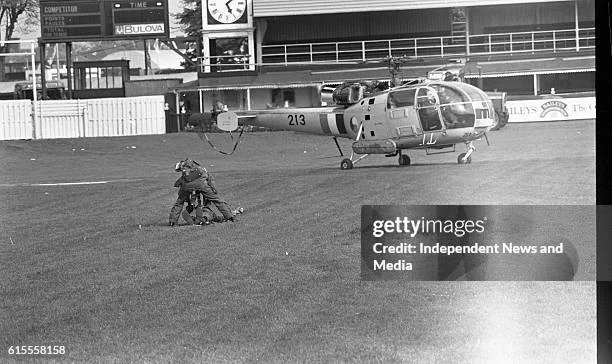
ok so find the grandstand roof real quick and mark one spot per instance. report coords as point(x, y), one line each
point(268, 8)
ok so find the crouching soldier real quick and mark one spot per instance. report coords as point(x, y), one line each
point(195, 179)
point(194, 204)
point(204, 214)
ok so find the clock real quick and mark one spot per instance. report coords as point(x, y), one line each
point(227, 11)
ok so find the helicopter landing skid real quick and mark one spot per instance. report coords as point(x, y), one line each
point(348, 163)
point(338, 146)
point(466, 158)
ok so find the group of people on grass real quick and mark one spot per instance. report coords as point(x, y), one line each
point(197, 189)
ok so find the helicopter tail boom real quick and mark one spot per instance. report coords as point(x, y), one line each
point(322, 121)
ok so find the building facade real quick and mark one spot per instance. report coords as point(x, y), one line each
point(275, 53)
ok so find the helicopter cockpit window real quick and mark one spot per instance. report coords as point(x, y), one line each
point(449, 95)
point(426, 97)
point(401, 98)
point(474, 93)
point(428, 104)
point(456, 109)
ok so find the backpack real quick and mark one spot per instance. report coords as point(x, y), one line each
point(191, 170)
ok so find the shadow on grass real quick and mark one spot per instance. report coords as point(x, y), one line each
point(412, 166)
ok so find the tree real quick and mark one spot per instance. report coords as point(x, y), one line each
point(12, 10)
point(10, 13)
point(190, 20)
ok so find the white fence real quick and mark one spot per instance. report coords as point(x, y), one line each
point(82, 118)
point(16, 120)
point(127, 116)
point(60, 119)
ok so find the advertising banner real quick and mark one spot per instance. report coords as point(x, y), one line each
point(551, 109)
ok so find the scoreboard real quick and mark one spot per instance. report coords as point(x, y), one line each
point(82, 20)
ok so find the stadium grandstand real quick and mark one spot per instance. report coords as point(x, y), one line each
point(283, 53)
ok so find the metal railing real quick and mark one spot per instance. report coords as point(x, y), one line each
point(361, 51)
point(224, 63)
point(431, 47)
point(532, 42)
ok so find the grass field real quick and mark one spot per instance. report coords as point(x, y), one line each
point(94, 267)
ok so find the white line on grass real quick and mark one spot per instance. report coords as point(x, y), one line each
point(70, 183)
point(67, 183)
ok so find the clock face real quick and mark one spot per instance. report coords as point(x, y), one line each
point(226, 11)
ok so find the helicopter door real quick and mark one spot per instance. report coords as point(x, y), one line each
point(428, 109)
point(403, 119)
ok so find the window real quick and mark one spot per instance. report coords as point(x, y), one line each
point(98, 78)
point(456, 108)
point(458, 115)
point(230, 54)
point(289, 97)
point(428, 109)
point(401, 98)
point(282, 98)
point(426, 97)
point(475, 93)
point(449, 95)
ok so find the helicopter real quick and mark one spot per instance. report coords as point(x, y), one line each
point(430, 115)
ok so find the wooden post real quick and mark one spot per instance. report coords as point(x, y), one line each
point(35, 128)
point(178, 112)
point(43, 74)
point(57, 63)
point(69, 68)
point(147, 58)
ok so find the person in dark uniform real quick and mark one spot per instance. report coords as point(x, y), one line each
point(204, 213)
point(185, 111)
point(195, 179)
